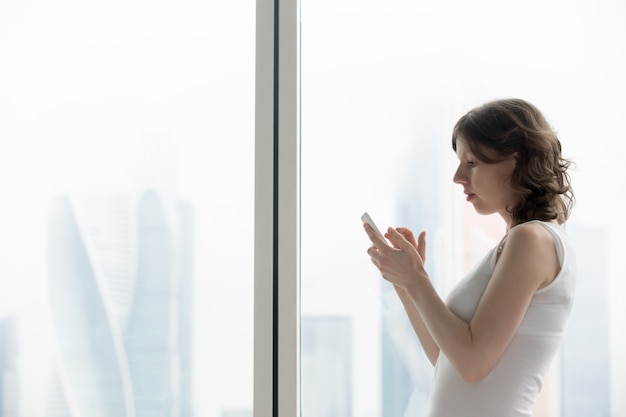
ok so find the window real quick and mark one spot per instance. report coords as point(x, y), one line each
point(381, 89)
point(127, 170)
point(138, 227)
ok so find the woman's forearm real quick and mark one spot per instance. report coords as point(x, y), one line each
point(449, 333)
point(428, 344)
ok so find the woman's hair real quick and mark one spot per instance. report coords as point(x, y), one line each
point(514, 126)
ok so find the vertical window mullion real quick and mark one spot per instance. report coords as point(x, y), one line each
point(277, 210)
point(289, 208)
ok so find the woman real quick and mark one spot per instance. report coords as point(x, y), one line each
point(494, 338)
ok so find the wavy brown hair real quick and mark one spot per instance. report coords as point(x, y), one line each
point(540, 177)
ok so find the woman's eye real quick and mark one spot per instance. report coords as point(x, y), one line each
point(471, 163)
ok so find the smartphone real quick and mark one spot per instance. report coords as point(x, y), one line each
point(365, 218)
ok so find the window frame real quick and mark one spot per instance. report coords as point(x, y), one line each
point(277, 210)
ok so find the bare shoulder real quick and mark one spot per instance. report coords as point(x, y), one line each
point(532, 235)
point(532, 244)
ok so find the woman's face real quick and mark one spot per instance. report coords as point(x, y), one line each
point(487, 186)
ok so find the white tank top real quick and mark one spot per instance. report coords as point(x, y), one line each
point(512, 386)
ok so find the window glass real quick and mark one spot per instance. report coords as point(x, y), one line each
point(382, 87)
point(127, 178)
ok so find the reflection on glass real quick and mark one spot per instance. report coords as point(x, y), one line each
point(381, 90)
point(120, 292)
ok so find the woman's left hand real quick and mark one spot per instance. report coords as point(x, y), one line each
point(400, 264)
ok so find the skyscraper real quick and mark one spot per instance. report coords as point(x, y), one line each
point(326, 366)
point(115, 282)
point(9, 395)
point(90, 285)
point(585, 368)
point(149, 337)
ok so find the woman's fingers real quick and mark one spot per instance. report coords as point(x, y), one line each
point(373, 252)
point(420, 244)
point(398, 239)
point(375, 238)
point(408, 235)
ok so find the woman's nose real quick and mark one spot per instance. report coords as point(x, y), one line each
point(459, 177)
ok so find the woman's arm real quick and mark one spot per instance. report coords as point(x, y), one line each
point(528, 262)
point(426, 340)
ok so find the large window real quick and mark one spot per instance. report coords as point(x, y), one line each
point(127, 178)
point(382, 86)
point(140, 223)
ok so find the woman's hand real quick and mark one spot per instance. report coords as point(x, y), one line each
point(403, 262)
point(420, 245)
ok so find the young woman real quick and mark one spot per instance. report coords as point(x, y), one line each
point(494, 338)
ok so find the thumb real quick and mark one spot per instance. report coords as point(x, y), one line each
point(421, 245)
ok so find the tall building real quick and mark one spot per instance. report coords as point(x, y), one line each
point(90, 276)
point(326, 366)
point(184, 312)
point(9, 354)
point(585, 368)
point(149, 337)
point(116, 286)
